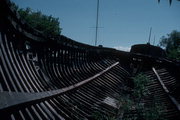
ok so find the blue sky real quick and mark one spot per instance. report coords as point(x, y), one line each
point(123, 22)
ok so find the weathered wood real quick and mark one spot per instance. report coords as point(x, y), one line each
point(13, 99)
point(174, 101)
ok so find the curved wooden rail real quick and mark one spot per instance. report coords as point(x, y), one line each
point(14, 99)
point(159, 80)
point(174, 101)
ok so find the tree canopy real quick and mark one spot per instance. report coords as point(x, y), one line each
point(39, 21)
point(171, 43)
point(170, 1)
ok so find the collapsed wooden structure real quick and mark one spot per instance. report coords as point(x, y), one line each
point(58, 78)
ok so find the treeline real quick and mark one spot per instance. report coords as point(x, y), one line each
point(45, 24)
point(171, 43)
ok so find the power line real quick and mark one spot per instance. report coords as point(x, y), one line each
point(97, 22)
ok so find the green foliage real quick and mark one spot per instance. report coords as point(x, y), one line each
point(140, 82)
point(174, 54)
point(43, 23)
point(170, 1)
point(172, 44)
point(126, 103)
point(154, 112)
point(99, 116)
point(136, 102)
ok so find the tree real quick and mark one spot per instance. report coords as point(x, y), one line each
point(170, 1)
point(39, 21)
point(171, 43)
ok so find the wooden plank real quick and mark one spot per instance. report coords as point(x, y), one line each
point(9, 100)
point(174, 101)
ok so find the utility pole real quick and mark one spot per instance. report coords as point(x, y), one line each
point(154, 40)
point(97, 22)
point(150, 36)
